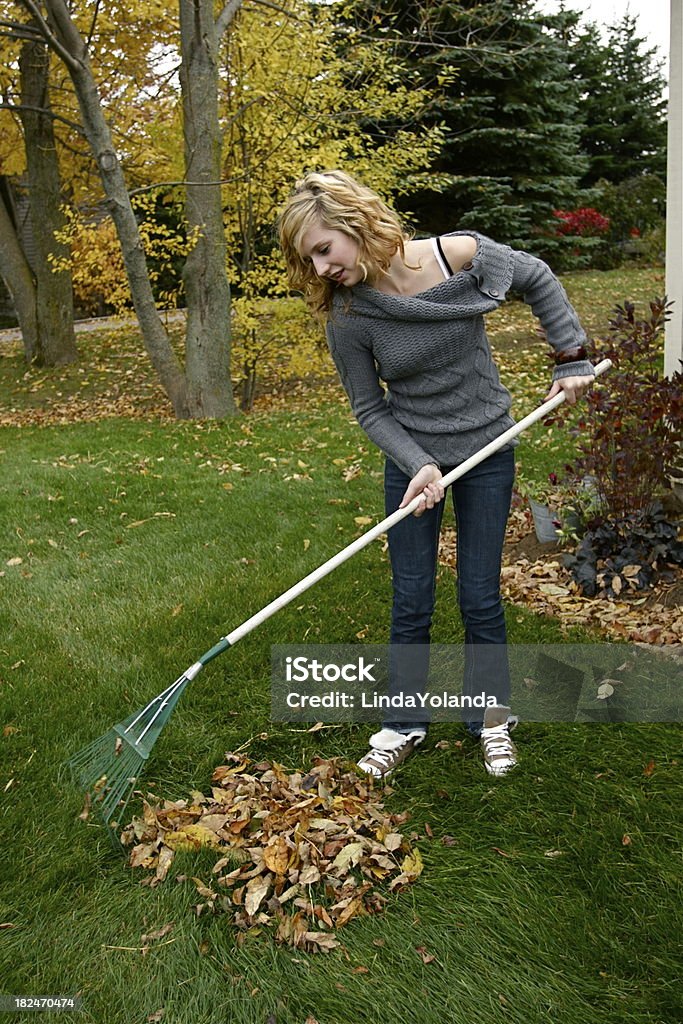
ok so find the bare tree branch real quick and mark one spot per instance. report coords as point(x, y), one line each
point(93, 23)
point(46, 113)
point(49, 36)
point(276, 7)
point(20, 30)
point(226, 17)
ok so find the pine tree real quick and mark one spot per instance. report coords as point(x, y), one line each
point(622, 103)
point(509, 104)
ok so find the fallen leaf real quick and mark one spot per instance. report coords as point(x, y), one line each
point(412, 865)
point(347, 857)
point(277, 855)
point(649, 768)
point(427, 958)
point(392, 841)
point(605, 690)
point(191, 837)
point(257, 890)
point(159, 934)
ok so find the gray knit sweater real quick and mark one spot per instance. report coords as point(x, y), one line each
point(444, 400)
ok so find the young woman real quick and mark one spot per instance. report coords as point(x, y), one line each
point(410, 313)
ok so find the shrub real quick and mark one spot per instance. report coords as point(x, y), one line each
point(584, 222)
point(629, 443)
point(275, 339)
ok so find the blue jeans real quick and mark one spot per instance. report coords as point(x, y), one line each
point(481, 500)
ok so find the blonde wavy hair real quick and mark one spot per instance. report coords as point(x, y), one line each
point(338, 202)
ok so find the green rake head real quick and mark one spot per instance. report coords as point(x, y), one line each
point(109, 767)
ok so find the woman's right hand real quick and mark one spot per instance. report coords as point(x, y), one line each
point(426, 482)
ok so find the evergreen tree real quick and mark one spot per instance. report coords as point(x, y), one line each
point(623, 108)
point(509, 104)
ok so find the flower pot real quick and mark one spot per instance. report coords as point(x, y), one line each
point(544, 522)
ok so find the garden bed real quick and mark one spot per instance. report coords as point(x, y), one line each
point(534, 576)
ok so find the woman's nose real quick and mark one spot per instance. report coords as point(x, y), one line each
point(321, 265)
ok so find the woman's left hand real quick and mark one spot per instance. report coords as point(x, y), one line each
point(573, 387)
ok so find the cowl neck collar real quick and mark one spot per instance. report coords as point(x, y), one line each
point(476, 289)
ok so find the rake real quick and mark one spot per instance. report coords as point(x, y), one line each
point(110, 766)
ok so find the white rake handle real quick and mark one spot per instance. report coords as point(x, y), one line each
point(386, 524)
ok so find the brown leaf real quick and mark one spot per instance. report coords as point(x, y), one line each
point(354, 908)
point(277, 855)
point(427, 958)
point(85, 813)
point(159, 934)
point(649, 768)
point(321, 940)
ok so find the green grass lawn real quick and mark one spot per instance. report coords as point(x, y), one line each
point(556, 896)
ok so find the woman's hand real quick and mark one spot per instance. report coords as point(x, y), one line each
point(573, 387)
point(427, 482)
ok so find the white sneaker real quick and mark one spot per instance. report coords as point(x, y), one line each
point(500, 753)
point(388, 749)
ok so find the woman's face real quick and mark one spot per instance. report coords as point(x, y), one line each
point(334, 255)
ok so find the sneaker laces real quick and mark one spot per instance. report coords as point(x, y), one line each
point(385, 757)
point(497, 739)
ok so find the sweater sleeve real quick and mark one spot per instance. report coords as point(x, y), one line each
point(550, 303)
point(356, 367)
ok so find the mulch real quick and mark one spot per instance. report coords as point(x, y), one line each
point(534, 576)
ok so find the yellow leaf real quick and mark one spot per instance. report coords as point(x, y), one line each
point(362, 520)
point(412, 865)
point(191, 837)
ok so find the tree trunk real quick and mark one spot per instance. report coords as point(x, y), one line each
point(18, 277)
point(205, 277)
point(68, 43)
point(55, 340)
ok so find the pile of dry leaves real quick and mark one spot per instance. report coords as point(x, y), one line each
point(299, 853)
